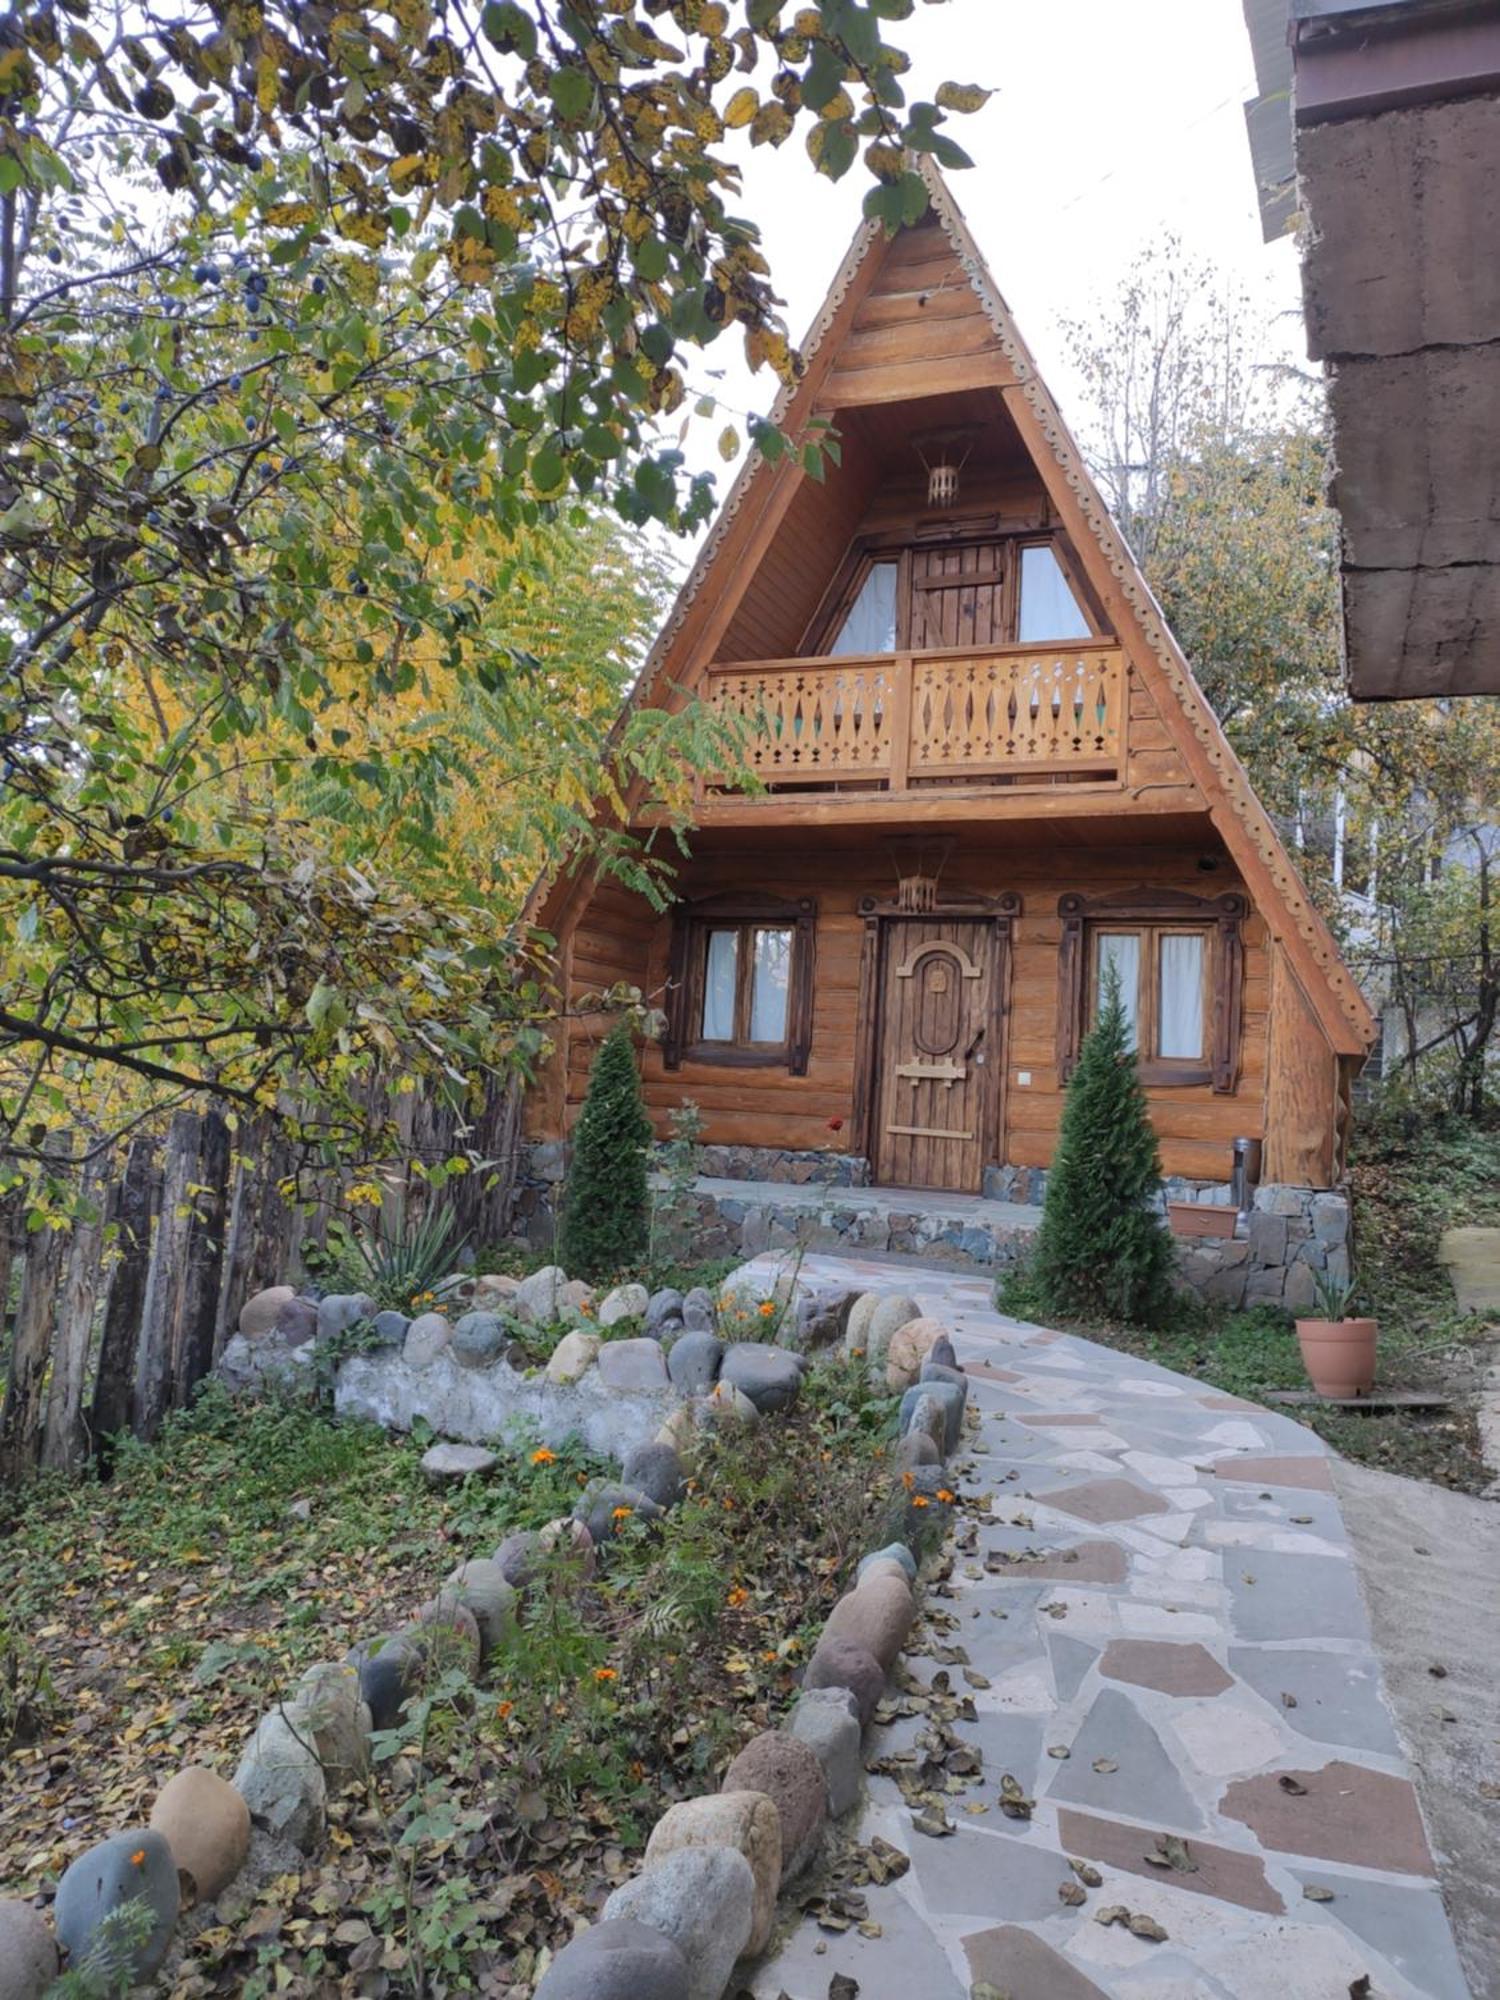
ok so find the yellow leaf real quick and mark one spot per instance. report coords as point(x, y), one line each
point(741, 108)
point(770, 125)
point(963, 96)
point(729, 443)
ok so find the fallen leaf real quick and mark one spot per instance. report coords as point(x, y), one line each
point(1142, 1926)
point(1292, 1786)
point(1313, 1894)
point(1072, 1894)
point(1086, 1872)
point(1105, 1765)
point(1172, 1851)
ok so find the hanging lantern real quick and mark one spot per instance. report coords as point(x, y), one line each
point(944, 455)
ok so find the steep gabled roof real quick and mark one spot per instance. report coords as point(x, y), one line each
point(763, 491)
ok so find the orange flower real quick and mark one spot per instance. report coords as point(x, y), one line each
point(602, 1674)
point(908, 1480)
point(770, 1658)
point(946, 1497)
point(738, 1596)
point(767, 1308)
point(856, 1353)
point(544, 1457)
point(920, 1500)
point(138, 1859)
point(623, 1513)
point(504, 1710)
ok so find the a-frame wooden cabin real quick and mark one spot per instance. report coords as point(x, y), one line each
point(988, 770)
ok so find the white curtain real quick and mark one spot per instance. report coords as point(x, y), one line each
point(1122, 950)
point(1180, 1003)
point(1049, 610)
point(768, 988)
point(871, 624)
point(718, 986)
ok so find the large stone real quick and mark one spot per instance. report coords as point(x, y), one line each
point(694, 1362)
point(940, 1371)
point(923, 1414)
point(258, 1315)
point(479, 1339)
point(516, 1558)
point(698, 1310)
point(677, 1430)
point(789, 1773)
point(916, 1449)
point(206, 1823)
point(891, 1311)
point(426, 1337)
point(624, 1302)
point(770, 1377)
point(844, 1663)
point(745, 1821)
point(633, 1366)
point(877, 1615)
point(909, 1348)
point(826, 1719)
point(297, 1323)
point(133, 1866)
point(950, 1399)
point(942, 1354)
point(490, 1595)
point(536, 1296)
point(818, 1320)
point(662, 1306)
point(390, 1328)
point(390, 1672)
point(573, 1356)
point(703, 1899)
point(569, 1547)
point(495, 1291)
point(605, 1507)
point(28, 1957)
point(446, 1634)
point(282, 1782)
point(340, 1310)
point(328, 1710)
point(619, 1960)
point(896, 1552)
point(443, 1464)
point(656, 1471)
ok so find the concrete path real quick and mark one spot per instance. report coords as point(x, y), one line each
point(1153, 1633)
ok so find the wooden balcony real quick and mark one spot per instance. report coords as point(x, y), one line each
point(911, 721)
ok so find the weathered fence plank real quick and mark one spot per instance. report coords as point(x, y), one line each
point(203, 1261)
point(65, 1440)
point(30, 1352)
point(133, 1203)
point(162, 1311)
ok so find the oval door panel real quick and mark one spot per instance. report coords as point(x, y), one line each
point(937, 1015)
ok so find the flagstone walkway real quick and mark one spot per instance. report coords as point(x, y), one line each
point(1154, 1579)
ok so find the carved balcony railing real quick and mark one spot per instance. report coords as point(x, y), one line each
point(908, 720)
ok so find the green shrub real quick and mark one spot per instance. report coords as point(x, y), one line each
point(1102, 1246)
point(606, 1216)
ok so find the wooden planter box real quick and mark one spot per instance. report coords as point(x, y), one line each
point(1196, 1218)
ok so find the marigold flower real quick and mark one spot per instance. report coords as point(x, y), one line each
point(767, 1307)
point(908, 1480)
point(504, 1709)
point(138, 1859)
point(856, 1354)
point(605, 1674)
point(946, 1497)
point(544, 1457)
point(921, 1500)
point(623, 1513)
point(738, 1596)
point(770, 1658)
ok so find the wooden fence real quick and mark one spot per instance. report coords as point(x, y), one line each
point(117, 1319)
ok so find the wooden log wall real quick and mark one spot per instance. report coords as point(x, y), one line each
point(771, 1108)
point(117, 1319)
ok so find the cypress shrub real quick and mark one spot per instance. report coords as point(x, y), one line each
point(605, 1224)
point(1102, 1247)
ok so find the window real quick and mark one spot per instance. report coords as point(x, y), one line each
point(1161, 971)
point(1049, 610)
point(869, 626)
point(1180, 963)
point(740, 988)
point(746, 974)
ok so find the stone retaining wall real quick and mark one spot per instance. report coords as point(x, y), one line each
point(1296, 1236)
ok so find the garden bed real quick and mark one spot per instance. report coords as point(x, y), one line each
point(165, 1610)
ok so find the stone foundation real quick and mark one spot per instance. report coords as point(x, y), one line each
point(1028, 1185)
point(1296, 1236)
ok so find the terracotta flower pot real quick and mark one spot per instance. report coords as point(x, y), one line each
point(1339, 1355)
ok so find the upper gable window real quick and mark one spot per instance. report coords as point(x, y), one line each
point(869, 625)
point(1048, 610)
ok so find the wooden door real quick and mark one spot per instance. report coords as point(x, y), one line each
point(960, 595)
point(938, 1058)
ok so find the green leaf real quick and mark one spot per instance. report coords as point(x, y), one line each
point(507, 24)
point(650, 258)
point(572, 91)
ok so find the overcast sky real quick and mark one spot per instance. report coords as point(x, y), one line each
point(1110, 125)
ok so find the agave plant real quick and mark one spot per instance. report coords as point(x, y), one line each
point(405, 1257)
